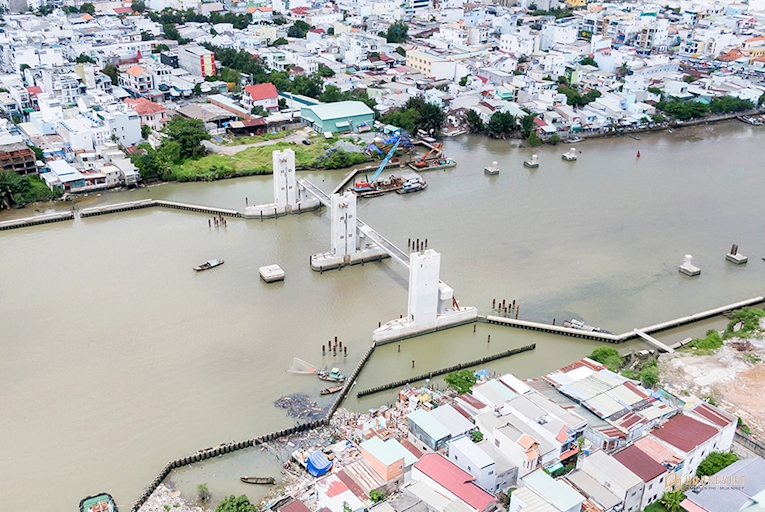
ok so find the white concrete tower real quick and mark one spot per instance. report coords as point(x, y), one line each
point(286, 195)
point(424, 268)
point(343, 225)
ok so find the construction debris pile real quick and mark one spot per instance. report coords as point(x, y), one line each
point(301, 407)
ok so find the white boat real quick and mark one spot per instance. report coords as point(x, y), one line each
point(569, 155)
point(574, 140)
point(532, 162)
point(492, 169)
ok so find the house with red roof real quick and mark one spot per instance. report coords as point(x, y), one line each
point(263, 95)
point(725, 422)
point(150, 113)
point(647, 469)
point(436, 477)
point(691, 439)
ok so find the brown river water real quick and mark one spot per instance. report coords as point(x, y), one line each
point(115, 357)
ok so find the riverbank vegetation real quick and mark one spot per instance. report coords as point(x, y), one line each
point(689, 109)
point(16, 190)
point(744, 323)
point(417, 114)
point(647, 372)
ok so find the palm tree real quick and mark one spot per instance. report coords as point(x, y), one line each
point(6, 189)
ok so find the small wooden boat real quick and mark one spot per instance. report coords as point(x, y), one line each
point(208, 265)
point(260, 480)
point(330, 391)
point(332, 376)
point(634, 136)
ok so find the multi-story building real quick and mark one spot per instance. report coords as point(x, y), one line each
point(65, 85)
point(261, 95)
point(197, 60)
point(18, 158)
point(137, 80)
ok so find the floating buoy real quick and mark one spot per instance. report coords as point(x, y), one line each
point(638, 154)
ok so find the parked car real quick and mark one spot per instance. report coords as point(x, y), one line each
point(306, 142)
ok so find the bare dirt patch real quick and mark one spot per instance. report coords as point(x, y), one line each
point(734, 376)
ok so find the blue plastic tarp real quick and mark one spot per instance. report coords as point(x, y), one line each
point(318, 464)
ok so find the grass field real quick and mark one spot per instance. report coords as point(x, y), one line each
point(249, 162)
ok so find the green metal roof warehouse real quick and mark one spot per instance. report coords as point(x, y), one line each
point(343, 116)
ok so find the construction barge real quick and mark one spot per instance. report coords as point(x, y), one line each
point(405, 182)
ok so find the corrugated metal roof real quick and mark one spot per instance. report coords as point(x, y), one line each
point(388, 451)
point(339, 110)
point(614, 469)
point(593, 490)
point(555, 492)
point(429, 424)
point(634, 459)
point(624, 395)
point(456, 423)
point(534, 503)
point(604, 405)
point(684, 432)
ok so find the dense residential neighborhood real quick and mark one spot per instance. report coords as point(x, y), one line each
point(579, 439)
point(82, 82)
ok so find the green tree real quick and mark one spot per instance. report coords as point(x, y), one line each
point(346, 507)
point(299, 29)
point(554, 139)
point(527, 124)
point(682, 109)
point(726, 104)
point(188, 133)
point(588, 61)
point(655, 90)
point(649, 375)
point(138, 6)
point(258, 110)
point(88, 8)
point(145, 130)
point(279, 42)
point(331, 31)
point(331, 94)
point(9, 183)
point(533, 139)
point(81, 58)
point(716, 462)
point(112, 72)
point(400, 50)
point(658, 118)
point(461, 380)
point(476, 436)
point(235, 504)
point(500, 125)
point(325, 71)
point(197, 89)
point(376, 496)
point(464, 80)
point(203, 493)
point(601, 354)
point(397, 32)
point(146, 36)
point(161, 47)
point(474, 121)
point(671, 501)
